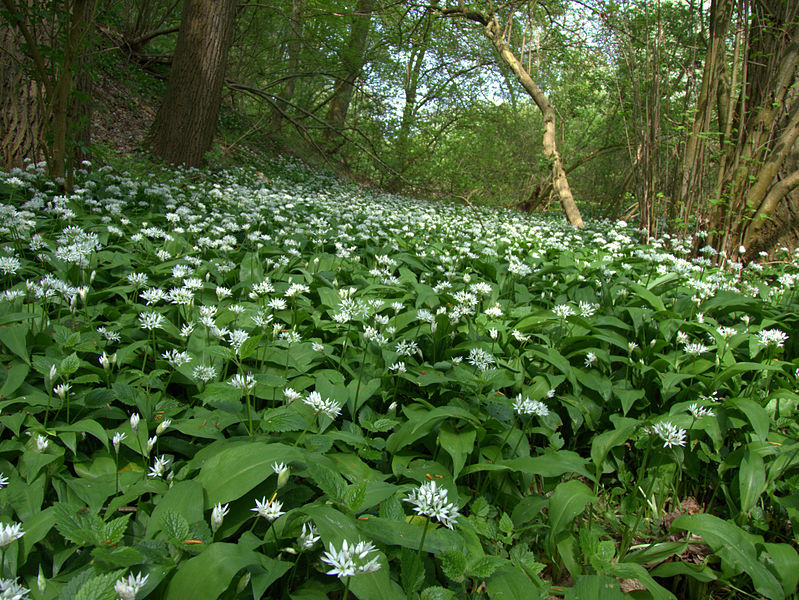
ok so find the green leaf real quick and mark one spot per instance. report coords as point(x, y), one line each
point(408, 535)
point(453, 563)
point(175, 525)
point(512, 583)
point(485, 566)
point(458, 444)
point(114, 530)
point(751, 478)
point(735, 548)
point(100, 587)
point(69, 365)
point(506, 524)
point(15, 376)
point(249, 346)
point(594, 587)
point(355, 495)
point(756, 414)
point(209, 574)
point(184, 498)
point(604, 442)
point(330, 482)
point(411, 571)
point(437, 593)
point(639, 573)
point(566, 502)
point(233, 472)
point(15, 338)
point(785, 561)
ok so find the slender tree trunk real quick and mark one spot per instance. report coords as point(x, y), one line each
point(353, 61)
point(294, 47)
point(560, 182)
point(186, 121)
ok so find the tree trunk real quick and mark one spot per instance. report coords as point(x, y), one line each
point(560, 183)
point(186, 121)
point(22, 121)
point(353, 59)
point(294, 47)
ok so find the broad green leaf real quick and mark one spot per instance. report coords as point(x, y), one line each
point(231, 473)
point(458, 444)
point(751, 478)
point(408, 535)
point(785, 561)
point(735, 548)
point(594, 587)
point(15, 339)
point(604, 442)
point(635, 571)
point(512, 583)
point(209, 574)
point(756, 414)
point(566, 502)
point(15, 376)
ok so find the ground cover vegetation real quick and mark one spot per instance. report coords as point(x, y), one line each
point(279, 384)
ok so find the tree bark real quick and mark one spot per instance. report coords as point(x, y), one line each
point(22, 120)
point(294, 47)
point(353, 60)
point(185, 124)
point(560, 182)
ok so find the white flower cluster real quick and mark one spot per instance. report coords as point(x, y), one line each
point(525, 406)
point(430, 501)
point(351, 559)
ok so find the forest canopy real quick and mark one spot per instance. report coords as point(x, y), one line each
point(678, 116)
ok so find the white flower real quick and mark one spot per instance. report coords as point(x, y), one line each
point(11, 590)
point(41, 443)
point(700, 411)
point(162, 426)
point(151, 320)
point(245, 383)
point(670, 434)
point(771, 338)
point(218, 515)
point(61, 390)
point(308, 537)
point(398, 368)
point(291, 395)
point(480, 359)
point(134, 422)
point(432, 502)
point(117, 440)
point(151, 442)
point(590, 359)
point(159, 467)
point(3, 480)
point(126, 589)
point(525, 406)
point(563, 311)
point(351, 559)
point(270, 510)
point(282, 472)
point(9, 533)
point(327, 406)
point(695, 349)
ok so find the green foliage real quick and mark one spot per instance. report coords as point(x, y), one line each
point(482, 405)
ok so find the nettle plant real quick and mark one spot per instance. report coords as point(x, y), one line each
point(219, 388)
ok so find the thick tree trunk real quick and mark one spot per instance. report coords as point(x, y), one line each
point(22, 121)
point(186, 121)
point(353, 59)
